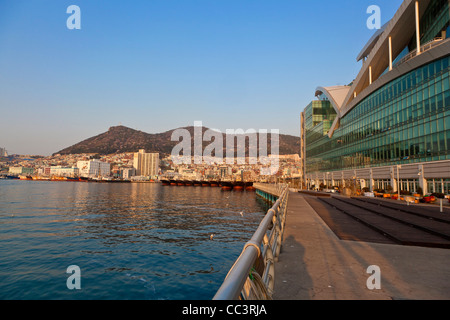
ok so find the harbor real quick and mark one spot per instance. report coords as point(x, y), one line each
point(196, 151)
point(226, 185)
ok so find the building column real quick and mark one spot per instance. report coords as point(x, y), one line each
point(417, 27)
point(390, 53)
point(422, 179)
point(371, 181)
point(394, 179)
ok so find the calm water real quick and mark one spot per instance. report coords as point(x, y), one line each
point(131, 241)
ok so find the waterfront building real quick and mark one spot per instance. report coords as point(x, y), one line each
point(44, 171)
point(61, 171)
point(21, 170)
point(225, 171)
point(94, 168)
point(127, 173)
point(146, 164)
point(390, 127)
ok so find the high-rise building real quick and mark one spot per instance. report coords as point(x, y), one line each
point(389, 128)
point(146, 164)
point(3, 152)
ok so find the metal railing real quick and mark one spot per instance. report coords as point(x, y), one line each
point(274, 189)
point(427, 46)
point(253, 274)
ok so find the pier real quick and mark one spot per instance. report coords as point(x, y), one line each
point(330, 246)
point(269, 193)
point(252, 277)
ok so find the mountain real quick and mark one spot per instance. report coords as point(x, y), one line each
point(121, 139)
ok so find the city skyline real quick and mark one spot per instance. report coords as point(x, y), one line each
point(156, 66)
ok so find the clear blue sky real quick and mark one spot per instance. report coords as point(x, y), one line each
point(156, 65)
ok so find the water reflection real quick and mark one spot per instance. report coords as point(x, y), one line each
point(140, 241)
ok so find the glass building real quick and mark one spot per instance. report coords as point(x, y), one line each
point(391, 125)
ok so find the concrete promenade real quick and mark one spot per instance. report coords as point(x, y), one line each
point(315, 264)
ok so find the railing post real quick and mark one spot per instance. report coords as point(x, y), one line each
point(269, 270)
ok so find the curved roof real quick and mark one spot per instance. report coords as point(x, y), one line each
point(401, 28)
point(371, 43)
point(377, 55)
point(335, 94)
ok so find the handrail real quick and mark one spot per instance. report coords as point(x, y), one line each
point(427, 46)
point(274, 189)
point(242, 281)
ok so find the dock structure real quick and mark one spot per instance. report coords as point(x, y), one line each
point(340, 248)
point(317, 264)
point(269, 193)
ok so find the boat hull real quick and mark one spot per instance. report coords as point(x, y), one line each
point(226, 186)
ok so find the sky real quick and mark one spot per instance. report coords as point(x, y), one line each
point(157, 65)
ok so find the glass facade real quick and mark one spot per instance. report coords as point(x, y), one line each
point(317, 112)
point(406, 121)
point(319, 117)
point(434, 20)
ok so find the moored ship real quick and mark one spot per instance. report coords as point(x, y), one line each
point(226, 185)
point(249, 186)
point(206, 183)
point(214, 183)
point(197, 183)
point(12, 177)
point(40, 178)
point(238, 185)
point(58, 178)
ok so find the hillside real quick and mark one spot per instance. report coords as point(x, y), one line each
point(122, 139)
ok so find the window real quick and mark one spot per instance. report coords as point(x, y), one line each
point(394, 125)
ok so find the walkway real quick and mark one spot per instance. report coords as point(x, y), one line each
point(315, 264)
